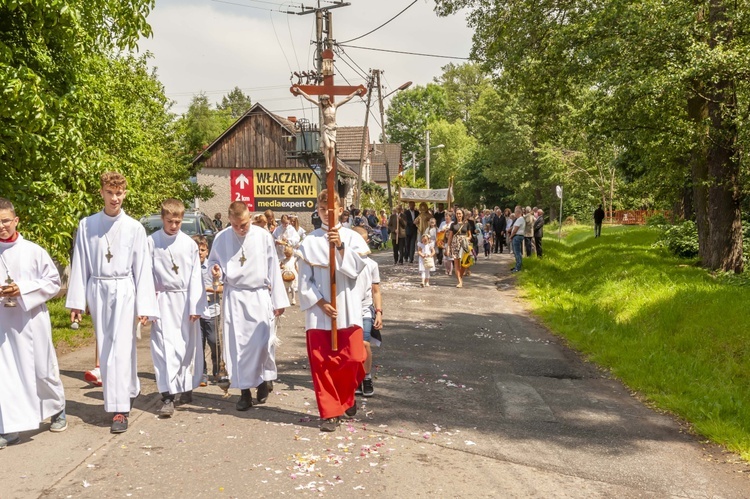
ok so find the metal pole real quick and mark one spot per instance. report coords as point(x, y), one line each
point(365, 145)
point(559, 230)
point(427, 157)
point(384, 140)
point(414, 167)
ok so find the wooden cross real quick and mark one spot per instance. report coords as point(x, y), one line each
point(175, 267)
point(328, 88)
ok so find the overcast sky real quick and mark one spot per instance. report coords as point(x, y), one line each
point(212, 46)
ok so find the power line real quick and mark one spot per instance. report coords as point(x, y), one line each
point(259, 8)
point(279, 42)
point(343, 53)
point(404, 52)
point(389, 20)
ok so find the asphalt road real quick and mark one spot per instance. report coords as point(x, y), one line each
point(473, 399)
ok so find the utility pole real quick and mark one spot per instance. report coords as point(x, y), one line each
point(385, 139)
point(414, 167)
point(365, 144)
point(427, 157)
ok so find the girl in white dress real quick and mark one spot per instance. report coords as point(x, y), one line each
point(426, 251)
point(289, 268)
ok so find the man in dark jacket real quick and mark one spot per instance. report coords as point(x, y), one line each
point(598, 219)
point(498, 227)
point(539, 232)
point(410, 216)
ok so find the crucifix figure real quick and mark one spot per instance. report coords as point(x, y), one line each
point(326, 92)
point(328, 128)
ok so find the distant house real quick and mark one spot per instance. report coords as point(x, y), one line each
point(350, 140)
point(381, 155)
point(249, 162)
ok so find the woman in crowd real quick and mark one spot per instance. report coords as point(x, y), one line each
point(459, 237)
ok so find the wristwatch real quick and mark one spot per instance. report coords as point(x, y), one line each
point(341, 246)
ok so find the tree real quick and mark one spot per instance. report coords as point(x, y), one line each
point(676, 65)
point(463, 84)
point(201, 125)
point(409, 113)
point(71, 109)
point(236, 102)
point(459, 148)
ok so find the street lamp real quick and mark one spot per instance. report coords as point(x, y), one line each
point(403, 86)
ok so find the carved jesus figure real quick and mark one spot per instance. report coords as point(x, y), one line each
point(328, 127)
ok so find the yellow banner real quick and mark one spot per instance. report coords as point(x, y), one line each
point(291, 183)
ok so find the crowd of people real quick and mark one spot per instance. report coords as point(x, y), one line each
point(457, 236)
point(190, 296)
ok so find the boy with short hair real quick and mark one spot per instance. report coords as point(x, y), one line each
point(336, 374)
point(372, 314)
point(112, 266)
point(31, 389)
point(178, 361)
point(209, 313)
point(244, 258)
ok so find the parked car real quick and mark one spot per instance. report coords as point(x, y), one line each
point(193, 223)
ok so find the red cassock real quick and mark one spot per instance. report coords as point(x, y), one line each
point(336, 374)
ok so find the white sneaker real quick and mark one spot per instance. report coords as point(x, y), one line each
point(93, 376)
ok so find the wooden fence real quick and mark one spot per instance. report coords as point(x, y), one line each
point(634, 217)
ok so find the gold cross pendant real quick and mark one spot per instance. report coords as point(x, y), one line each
point(9, 281)
point(242, 260)
point(109, 255)
point(175, 268)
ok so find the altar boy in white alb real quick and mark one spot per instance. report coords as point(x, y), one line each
point(244, 257)
point(111, 274)
point(30, 386)
point(175, 336)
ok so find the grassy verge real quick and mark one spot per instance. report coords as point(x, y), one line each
point(668, 329)
point(63, 337)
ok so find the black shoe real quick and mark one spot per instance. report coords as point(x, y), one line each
point(263, 390)
point(246, 400)
point(358, 391)
point(350, 412)
point(367, 389)
point(166, 410)
point(330, 424)
point(186, 398)
point(119, 423)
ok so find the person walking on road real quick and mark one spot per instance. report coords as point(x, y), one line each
point(397, 228)
point(598, 219)
point(539, 232)
point(459, 236)
point(111, 274)
point(31, 390)
point(516, 238)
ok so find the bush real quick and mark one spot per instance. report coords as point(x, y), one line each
point(681, 239)
point(657, 220)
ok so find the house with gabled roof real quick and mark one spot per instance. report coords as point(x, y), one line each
point(382, 155)
point(251, 160)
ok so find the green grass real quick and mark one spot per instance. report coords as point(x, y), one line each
point(667, 328)
point(62, 336)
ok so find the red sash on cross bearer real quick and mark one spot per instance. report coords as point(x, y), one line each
point(336, 374)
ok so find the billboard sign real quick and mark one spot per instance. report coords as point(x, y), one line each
point(276, 189)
